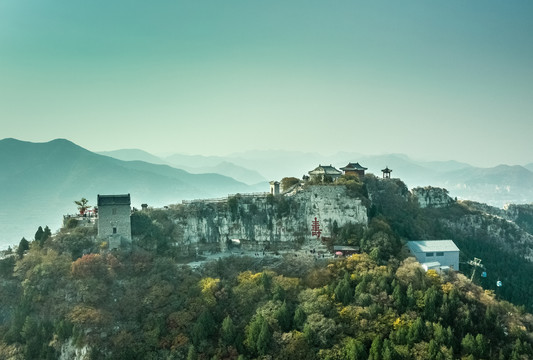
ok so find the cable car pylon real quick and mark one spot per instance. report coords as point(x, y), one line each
point(475, 263)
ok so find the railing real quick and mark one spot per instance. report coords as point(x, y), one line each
point(78, 216)
point(224, 199)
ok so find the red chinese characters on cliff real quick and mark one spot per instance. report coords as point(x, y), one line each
point(315, 228)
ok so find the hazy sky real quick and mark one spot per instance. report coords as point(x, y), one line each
point(444, 79)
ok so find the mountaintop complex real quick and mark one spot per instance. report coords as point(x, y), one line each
point(317, 268)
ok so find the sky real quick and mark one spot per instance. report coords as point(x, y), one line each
point(436, 80)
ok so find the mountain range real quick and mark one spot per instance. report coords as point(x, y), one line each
point(495, 186)
point(40, 181)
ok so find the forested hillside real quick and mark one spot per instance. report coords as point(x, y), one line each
point(69, 296)
point(141, 306)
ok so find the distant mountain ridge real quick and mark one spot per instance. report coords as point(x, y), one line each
point(40, 181)
point(495, 186)
point(195, 164)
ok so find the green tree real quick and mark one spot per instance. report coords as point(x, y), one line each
point(39, 236)
point(228, 331)
point(82, 205)
point(24, 245)
point(253, 329)
point(203, 328)
point(191, 353)
point(299, 318)
point(283, 315)
point(266, 280)
point(417, 331)
point(344, 291)
point(47, 233)
point(468, 345)
point(411, 299)
point(399, 298)
point(354, 350)
point(278, 292)
point(433, 350)
point(375, 349)
point(388, 352)
point(481, 346)
point(431, 304)
point(263, 339)
point(287, 182)
point(440, 335)
point(42, 235)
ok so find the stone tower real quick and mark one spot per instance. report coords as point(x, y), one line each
point(114, 224)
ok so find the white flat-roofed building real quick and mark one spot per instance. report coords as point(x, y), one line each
point(430, 252)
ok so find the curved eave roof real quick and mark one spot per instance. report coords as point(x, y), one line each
point(353, 167)
point(325, 170)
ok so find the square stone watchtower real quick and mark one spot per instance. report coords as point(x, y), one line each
point(114, 224)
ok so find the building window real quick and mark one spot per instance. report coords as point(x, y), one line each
point(440, 254)
point(429, 254)
point(114, 211)
point(114, 230)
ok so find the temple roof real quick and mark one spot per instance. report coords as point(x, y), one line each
point(387, 170)
point(325, 170)
point(123, 199)
point(353, 166)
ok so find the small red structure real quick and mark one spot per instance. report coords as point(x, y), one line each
point(315, 228)
point(341, 250)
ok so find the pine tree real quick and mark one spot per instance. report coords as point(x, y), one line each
point(228, 331)
point(299, 318)
point(47, 233)
point(191, 354)
point(375, 349)
point(430, 304)
point(399, 298)
point(468, 345)
point(411, 300)
point(39, 236)
point(203, 328)
point(283, 315)
point(481, 346)
point(252, 333)
point(355, 350)
point(343, 291)
point(433, 349)
point(264, 338)
point(387, 353)
point(24, 245)
point(417, 331)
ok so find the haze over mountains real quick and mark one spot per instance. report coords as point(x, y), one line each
point(40, 181)
point(495, 186)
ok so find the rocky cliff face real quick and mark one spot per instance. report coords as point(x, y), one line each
point(431, 197)
point(263, 221)
point(520, 214)
point(507, 234)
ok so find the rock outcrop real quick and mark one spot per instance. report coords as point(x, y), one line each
point(261, 221)
point(431, 196)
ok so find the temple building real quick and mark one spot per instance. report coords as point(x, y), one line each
point(323, 172)
point(354, 169)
